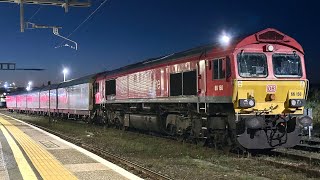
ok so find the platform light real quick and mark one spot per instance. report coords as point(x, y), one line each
point(65, 71)
point(225, 39)
point(28, 88)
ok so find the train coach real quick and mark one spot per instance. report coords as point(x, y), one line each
point(72, 99)
point(249, 93)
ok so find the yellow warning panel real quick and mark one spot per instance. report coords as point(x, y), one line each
point(23, 165)
point(45, 163)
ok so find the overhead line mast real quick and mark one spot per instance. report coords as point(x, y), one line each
point(63, 3)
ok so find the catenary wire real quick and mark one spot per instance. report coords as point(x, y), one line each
point(85, 20)
point(34, 14)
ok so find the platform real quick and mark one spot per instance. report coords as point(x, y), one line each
point(27, 152)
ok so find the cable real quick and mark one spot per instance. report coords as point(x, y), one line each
point(85, 20)
point(34, 14)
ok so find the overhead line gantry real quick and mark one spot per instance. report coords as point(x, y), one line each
point(63, 3)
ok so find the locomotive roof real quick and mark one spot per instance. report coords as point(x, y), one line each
point(268, 35)
point(163, 59)
point(171, 57)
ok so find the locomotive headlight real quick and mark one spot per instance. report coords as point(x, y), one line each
point(270, 48)
point(246, 103)
point(293, 102)
point(297, 102)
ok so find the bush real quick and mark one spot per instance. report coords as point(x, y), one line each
point(314, 103)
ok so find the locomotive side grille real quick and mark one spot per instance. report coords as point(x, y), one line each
point(270, 36)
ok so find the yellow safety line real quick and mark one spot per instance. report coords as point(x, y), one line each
point(24, 167)
point(47, 166)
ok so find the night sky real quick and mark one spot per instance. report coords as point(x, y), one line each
point(127, 31)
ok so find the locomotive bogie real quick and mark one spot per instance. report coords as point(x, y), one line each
point(267, 131)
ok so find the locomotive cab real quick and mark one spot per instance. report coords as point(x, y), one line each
point(269, 90)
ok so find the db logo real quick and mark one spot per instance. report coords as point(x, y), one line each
point(271, 88)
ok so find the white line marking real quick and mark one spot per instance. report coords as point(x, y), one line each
point(110, 165)
point(3, 168)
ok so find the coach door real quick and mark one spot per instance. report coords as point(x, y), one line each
point(218, 79)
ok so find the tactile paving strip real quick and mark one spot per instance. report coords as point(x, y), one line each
point(45, 163)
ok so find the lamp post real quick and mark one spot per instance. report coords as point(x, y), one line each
point(29, 86)
point(225, 39)
point(65, 71)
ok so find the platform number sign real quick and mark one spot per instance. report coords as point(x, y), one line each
point(271, 88)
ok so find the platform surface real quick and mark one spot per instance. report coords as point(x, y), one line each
point(27, 152)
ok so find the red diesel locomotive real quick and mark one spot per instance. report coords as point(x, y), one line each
point(249, 93)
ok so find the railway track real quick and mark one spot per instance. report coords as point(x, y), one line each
point(149, 174)
point(307, 147)
point(295, 159)
point(131, 166)
point(304, 157)
point(310, 171)
point(297, 155)
point(309, 144)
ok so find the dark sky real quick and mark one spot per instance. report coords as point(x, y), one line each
point(127, 31)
